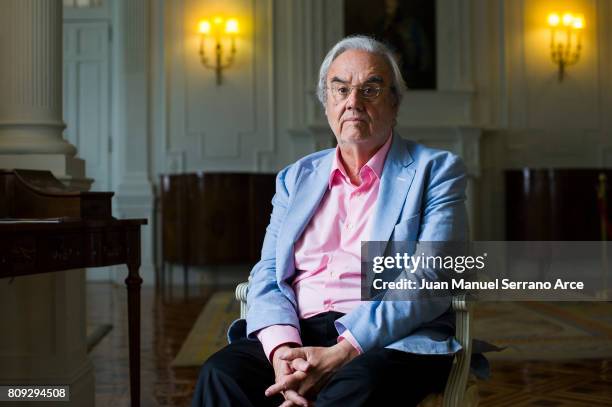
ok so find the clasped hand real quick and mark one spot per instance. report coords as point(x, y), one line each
point(302, 372)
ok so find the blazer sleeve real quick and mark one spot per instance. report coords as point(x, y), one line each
point(376, 324)
point(268, 305)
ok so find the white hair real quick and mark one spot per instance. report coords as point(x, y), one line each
point(368, 44)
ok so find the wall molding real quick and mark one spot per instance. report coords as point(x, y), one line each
point(202, 126)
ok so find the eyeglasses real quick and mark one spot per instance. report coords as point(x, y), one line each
point(341, 92)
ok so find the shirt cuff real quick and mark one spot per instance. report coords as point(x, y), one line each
point(271, 337)
point(351, 339)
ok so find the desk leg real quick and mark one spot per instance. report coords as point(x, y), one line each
point(133, 282)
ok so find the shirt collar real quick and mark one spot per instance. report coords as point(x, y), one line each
point(375, 164)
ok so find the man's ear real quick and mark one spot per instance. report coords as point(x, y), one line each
point(396, 103)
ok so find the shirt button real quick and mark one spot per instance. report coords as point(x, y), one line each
point(349, 226)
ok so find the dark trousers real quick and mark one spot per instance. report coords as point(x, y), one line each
point(238, 374)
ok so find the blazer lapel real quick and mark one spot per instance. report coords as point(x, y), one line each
point(394, 185)
point(309, 190)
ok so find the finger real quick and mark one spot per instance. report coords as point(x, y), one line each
point(276, 388)
point(285, 383)
point(294, 397)
point(300, 365)
point(285, 368)
point(290, 354)
point(287, 403)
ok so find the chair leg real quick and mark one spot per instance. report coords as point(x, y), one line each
point(454, 394)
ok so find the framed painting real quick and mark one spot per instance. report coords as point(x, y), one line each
point(409, 27)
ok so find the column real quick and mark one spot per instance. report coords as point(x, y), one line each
point(43, 339)
point(134, 192)
point(31, 121)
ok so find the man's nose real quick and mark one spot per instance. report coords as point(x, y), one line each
point(354, 101)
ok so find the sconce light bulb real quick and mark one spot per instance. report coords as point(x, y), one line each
point(578, 23)
point(231, 26)
point(553, 19)
point(204, 27)
point(568, 19)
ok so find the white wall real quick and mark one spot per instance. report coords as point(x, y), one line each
point(86, 95)
point(531, 119)
point(245, 123)
point(209, 127)
point(265, 114)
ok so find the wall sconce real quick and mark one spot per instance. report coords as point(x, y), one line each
point(565, 32)
point(219, 31)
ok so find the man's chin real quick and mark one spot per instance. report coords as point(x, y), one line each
point(355, 137)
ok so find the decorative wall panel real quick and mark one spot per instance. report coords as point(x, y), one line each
point(86, 96)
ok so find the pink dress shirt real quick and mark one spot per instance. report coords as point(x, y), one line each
point(328, 254)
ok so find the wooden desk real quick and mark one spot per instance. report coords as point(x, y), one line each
point(39, 246)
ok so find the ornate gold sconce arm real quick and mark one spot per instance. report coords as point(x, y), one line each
point(565, 40)
point(206, 32)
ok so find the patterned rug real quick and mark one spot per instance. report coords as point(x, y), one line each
point(528, 330)
point(546, 330)
point(208, 334)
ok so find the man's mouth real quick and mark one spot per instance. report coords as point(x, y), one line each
point(354, 119)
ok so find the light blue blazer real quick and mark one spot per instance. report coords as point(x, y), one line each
point(421, 197)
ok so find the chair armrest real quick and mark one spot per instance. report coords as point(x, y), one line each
point(241, 295)
point(457, 380)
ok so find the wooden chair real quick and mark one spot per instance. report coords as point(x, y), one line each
point(457, 392)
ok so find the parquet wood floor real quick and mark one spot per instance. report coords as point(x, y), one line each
point(166, 323)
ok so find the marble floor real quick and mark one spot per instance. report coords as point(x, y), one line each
point(166, 321)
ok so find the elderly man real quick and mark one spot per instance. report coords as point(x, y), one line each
point(309, 338)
